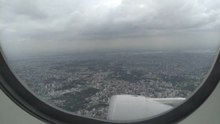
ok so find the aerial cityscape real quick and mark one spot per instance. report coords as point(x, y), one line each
point(84, 83)
point(77, 54)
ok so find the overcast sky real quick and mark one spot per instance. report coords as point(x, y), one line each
point(41, 26)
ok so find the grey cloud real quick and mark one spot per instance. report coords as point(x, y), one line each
point(130, 18)
point(80, 22)
point(21, 9)
point(29, 9)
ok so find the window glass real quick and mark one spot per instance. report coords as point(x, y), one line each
point(106, 58)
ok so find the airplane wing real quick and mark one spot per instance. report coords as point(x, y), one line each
point(129, 107)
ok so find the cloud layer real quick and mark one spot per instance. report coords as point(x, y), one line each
point(39, 26)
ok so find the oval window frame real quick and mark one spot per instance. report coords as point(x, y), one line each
point(12, 87)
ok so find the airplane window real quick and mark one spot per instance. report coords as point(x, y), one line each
point(115, 60)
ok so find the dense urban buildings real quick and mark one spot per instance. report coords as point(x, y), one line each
point(84, 83)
